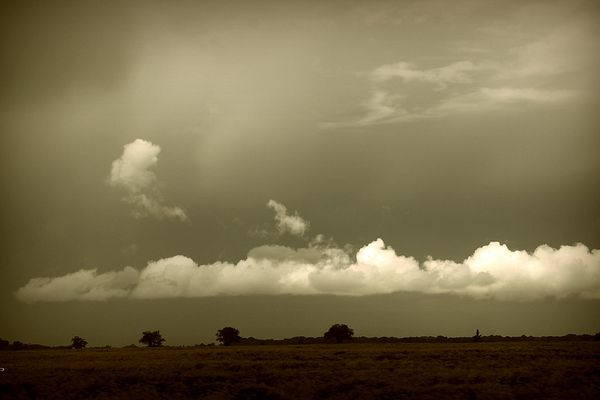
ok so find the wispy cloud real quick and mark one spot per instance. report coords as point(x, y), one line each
point(131, 172)
point(290, 223)
point(467, 86)
point(458, 72)
point(491, 98)
point(386, 108)
point(381, 107)
point(565, 49)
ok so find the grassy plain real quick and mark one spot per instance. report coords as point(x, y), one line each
point(521, 370)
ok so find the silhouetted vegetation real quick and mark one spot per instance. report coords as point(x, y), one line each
point(78, 343)
point(18, 345)
point(307, 340)
point(339, 333)
point(228, 335)
point(152, 338)
point(477, 336)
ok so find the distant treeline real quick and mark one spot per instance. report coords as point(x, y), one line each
point(16, 345)
point(300, 340)
point(250, 341)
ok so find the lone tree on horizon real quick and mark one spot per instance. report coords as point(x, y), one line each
point(152, 338)
point(477, 336)
point(228, 335)
point(78, 342)
point(339, 332)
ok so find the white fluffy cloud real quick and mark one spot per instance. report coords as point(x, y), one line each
point(132, 173)
point(85, 284)
point(293, 224)
point(493, 271)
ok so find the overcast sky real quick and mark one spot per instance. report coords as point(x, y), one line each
point(406, 167)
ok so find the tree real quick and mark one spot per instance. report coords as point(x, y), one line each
point(152, 338)
point(78, 343)
point(17, 345)
point(228, 335)
point(339, 332)
point(477, 336)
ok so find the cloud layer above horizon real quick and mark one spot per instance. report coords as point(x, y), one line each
point(493, 271)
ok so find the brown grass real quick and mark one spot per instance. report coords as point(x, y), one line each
point(525, 370)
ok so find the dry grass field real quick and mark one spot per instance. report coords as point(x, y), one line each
point(522, 370)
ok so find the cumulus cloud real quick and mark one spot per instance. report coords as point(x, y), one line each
point(492, 271)
point(132, 173)
point(85, 284)
point(293, 224)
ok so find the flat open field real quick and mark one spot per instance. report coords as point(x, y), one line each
point(523, 370)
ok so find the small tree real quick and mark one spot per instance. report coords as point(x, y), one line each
point(477, 336)
point(152, 338)
point(18, 345)
point(228, 335)
point(78, 342)
point(339, 332)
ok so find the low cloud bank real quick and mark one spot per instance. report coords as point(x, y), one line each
point(493, 271)
point(131, 172)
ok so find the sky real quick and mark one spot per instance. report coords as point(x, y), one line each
point(405, 167)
